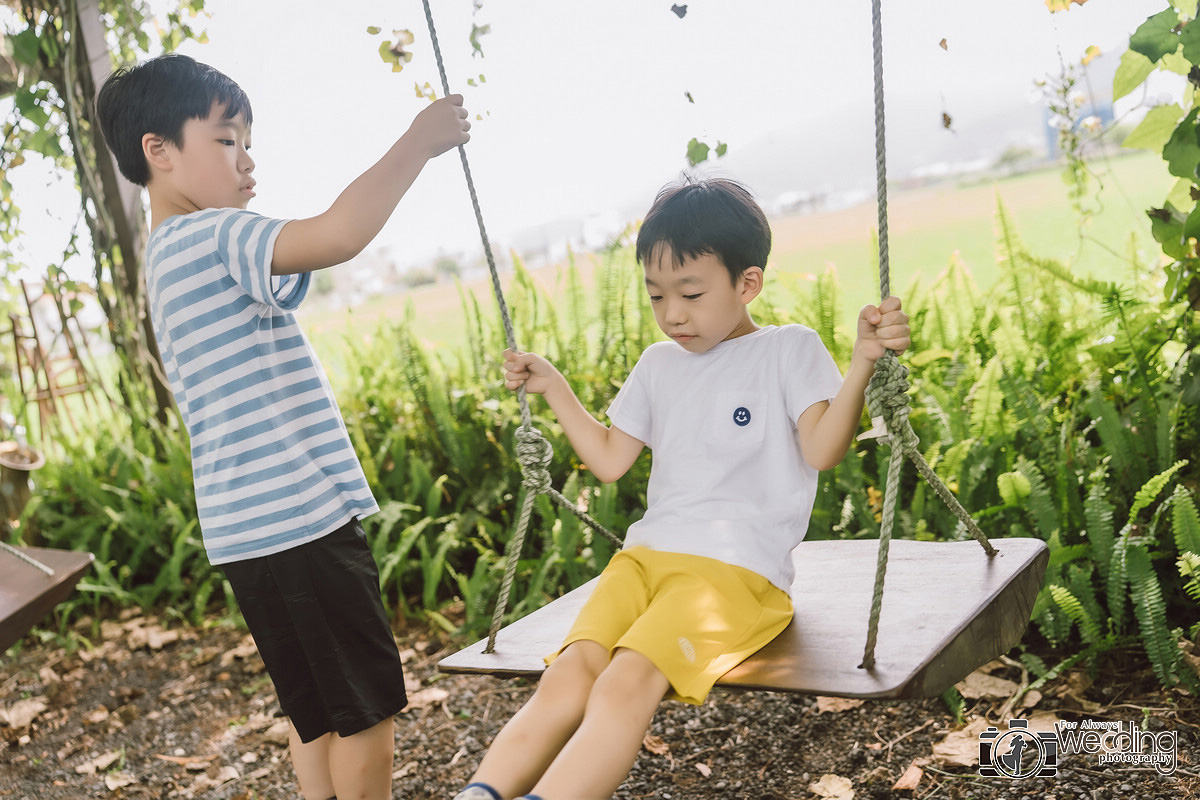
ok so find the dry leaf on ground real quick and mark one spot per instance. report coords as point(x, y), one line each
point(23, 712)
point(833, 787)
point(909, 780)
point(837, 704)
point(426, 697)
point(98, 764)
point(981, 685)
point(119, 780)
point(655, 745)
point(960, 748)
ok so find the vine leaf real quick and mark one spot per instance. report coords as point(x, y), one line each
point(1131, 73)
point(679, 10)
point(1156, 37)
point(393, 52)
point(1155, 129)
point(1182, 151)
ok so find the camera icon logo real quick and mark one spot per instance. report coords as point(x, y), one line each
point(1018, 752)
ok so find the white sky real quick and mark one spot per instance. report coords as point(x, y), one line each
point(584, 106)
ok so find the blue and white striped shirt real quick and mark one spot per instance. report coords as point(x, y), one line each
point(271, 459)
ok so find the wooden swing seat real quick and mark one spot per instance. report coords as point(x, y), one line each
point(947, 610)
point(27, 594)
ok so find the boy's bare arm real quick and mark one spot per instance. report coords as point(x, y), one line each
point(826, 429)
point(360, 211)
point(607, 452)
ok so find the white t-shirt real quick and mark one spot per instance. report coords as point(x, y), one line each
point(728, 480)
point(271, 460)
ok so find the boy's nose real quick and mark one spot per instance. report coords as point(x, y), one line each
point(676, 314)
point(247, 164)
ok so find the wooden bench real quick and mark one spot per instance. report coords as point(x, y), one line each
point(27, 594)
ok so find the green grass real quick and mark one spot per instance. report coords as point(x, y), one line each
point(928, 227)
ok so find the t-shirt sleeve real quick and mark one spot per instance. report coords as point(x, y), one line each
point(246, 244)
point(630, 409)
point(810, 373)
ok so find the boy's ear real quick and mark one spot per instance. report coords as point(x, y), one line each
point(751, 283)
point(156, 151)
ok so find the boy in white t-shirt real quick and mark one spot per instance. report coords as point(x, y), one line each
point(740, 419)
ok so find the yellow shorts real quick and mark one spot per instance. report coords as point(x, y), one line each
point(695, 618)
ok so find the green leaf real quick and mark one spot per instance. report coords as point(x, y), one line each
point(721, 148)
point(1176, 62)
point(1180, 195)
point(1182, 151)
point(987, 403)
point(1155, 37)
point(1191, 227)
point(374, 29)
point(1166, 225)
point(1155, 129)
point(25, 47)
point(697, 152)
point(1131, 73)
point(1014, 487)
point(1151, 489)
point(1189, 37)
point(1185, 522)
point(1186, 8)
point(1151, 612)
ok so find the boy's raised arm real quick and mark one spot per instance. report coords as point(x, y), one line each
point(826, 429)
point(360, 211)
point(607, 452)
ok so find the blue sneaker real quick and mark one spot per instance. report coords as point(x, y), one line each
point(478, 791)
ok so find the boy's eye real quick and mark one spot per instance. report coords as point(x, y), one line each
point(226, 142)
point(693, 296)
point(654, 298)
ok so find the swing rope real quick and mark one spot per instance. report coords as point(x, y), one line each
point(534, 452)
point(30, 560)
point(886, 395)
point(887, 392)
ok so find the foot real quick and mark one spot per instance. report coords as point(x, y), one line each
point(478, 791)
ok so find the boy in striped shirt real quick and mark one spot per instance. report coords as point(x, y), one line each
point(279, 489)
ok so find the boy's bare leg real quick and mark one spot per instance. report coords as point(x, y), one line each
point(597, 758)
point(357, 767)
point(529, 741)
point(361, 765)
point(311, 762)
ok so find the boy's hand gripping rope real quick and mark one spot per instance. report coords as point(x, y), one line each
point(887, 392)
point(534, 452)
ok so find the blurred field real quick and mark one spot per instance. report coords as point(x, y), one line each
point(928, 227)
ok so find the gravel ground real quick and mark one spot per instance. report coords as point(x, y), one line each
point(189, 713)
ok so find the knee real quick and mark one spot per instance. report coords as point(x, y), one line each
point(630, 678)
point(573, 673)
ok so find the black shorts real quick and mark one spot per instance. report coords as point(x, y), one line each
point(318, 620)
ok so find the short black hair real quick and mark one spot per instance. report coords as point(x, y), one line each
point(159, 96)
point(697, 217)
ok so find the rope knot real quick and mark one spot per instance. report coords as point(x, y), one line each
point(887, 397)
point(534, 453)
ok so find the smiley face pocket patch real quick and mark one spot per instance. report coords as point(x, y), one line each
point(738, 418)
